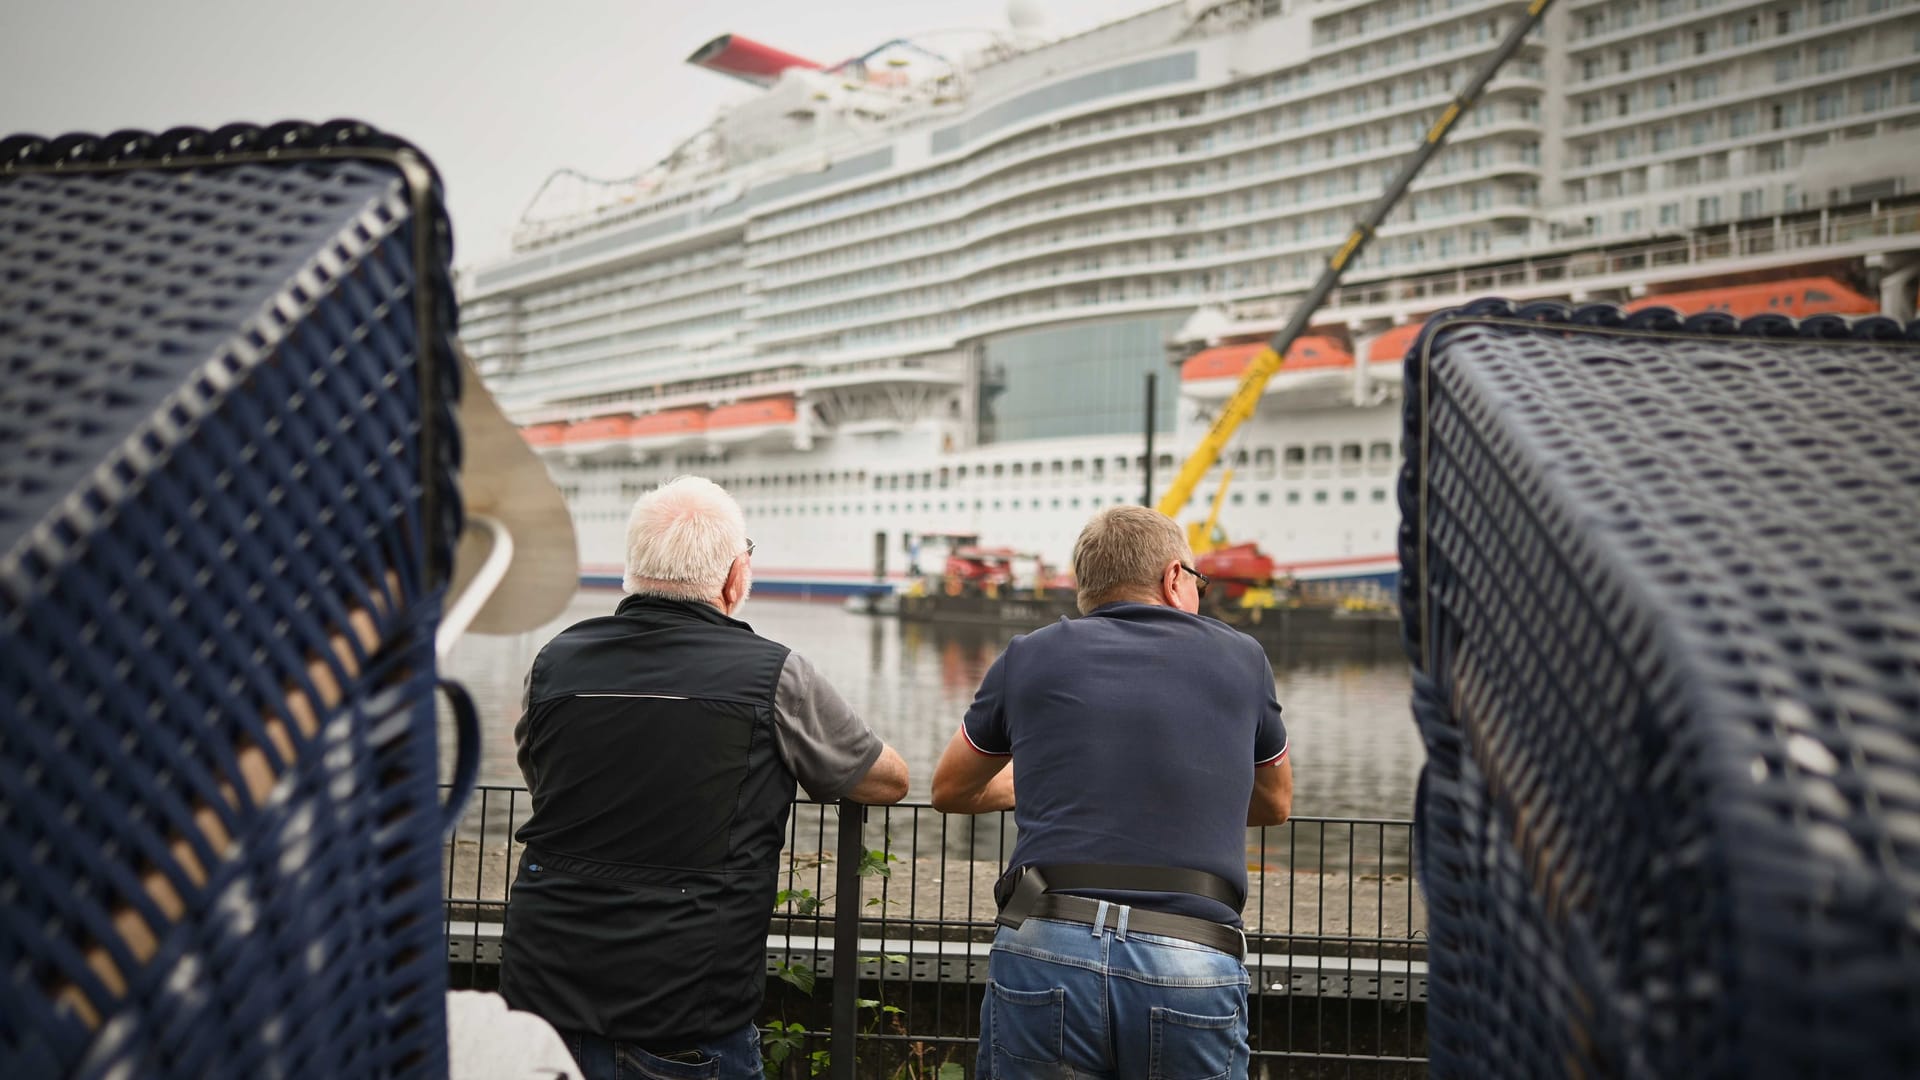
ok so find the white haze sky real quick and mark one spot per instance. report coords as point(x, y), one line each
point(498, 93)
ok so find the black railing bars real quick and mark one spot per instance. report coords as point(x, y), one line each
point(893, 911)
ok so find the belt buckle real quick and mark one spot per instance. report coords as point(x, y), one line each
point(1242, 931)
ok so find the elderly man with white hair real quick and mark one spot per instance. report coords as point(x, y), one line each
point(661, 745)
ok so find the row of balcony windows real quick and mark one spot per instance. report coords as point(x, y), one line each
point(665, 302)
point(637, 325)
point(1263, 275)
point(1478, 199)
point(1231, 210)
point(1290, 89)
point(1864, 99)
point(1296, 461)
point(1779, 19)
point(1377, 496)
point(625, 343)
point(1700, 211)
point(1765, 77)
point(1290, 462)
point(655, 278)
point(1383, 143)
point(1342, 112)
point(1454, 160)
point(1380, 18)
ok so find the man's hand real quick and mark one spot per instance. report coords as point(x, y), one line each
point(969, 782)
point(1272, 801)
point(885, 782)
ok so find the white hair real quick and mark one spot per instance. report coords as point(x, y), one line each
point(682, 537)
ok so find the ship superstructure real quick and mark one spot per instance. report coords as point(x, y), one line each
point(918, 292)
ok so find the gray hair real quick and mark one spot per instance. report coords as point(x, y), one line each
point(682, 538)
point(1121, 554)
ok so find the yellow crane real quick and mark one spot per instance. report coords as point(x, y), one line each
point(1253, 381)
point(1205, 536)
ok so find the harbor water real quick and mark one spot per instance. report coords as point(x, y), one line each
point(1354, 748)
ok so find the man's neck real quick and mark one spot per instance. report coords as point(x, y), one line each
point(715, 603)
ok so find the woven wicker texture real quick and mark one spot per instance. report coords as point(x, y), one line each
point(1662, 582)
point(219, 829)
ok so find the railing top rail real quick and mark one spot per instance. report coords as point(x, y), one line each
point(913, 804)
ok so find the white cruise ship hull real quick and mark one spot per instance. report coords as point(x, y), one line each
point(883, 301)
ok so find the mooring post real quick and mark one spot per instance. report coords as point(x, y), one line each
point(1146, 474)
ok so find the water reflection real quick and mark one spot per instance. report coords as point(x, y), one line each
point(1354, 749)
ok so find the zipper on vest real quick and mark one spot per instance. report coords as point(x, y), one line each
point(663, 697)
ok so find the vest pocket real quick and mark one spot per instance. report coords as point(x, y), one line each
point(1187, 1046)
point(1027, 1027)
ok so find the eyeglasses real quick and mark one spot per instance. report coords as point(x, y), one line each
point(1200, 580)
point(749, 549)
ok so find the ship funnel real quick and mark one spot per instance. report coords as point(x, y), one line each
point(747, 60)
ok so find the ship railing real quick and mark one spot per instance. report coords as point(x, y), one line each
point(1812, 235)
point(902, 897)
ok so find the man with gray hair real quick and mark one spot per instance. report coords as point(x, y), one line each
point(661, 746)
point(1146, 738)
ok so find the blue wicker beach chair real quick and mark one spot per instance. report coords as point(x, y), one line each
point(227, 518)
point(1661, 583)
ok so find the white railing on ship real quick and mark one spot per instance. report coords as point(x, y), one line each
point(1808, 233)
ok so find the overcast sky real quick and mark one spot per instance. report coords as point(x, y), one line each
point(498, 93)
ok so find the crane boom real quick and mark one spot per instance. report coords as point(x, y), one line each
point(1253, 382)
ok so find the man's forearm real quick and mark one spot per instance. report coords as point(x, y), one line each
point(885, 782)
point(998, 794)
point(995, 794)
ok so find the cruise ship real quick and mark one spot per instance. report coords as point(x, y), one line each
point(918, 293)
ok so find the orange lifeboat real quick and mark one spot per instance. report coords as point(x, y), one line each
point(1391, 347)
point(543, 434)
point(669, 423)
point(756, 413)
point(597, 429)
point(1797, 297)
point(1312, 352)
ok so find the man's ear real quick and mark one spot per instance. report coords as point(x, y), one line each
point(734, 588)
point(1169, 585)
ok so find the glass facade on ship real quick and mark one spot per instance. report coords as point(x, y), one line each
point(1083, 379)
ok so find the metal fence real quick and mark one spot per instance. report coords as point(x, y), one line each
point(902, 897)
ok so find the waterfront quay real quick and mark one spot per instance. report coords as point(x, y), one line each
point(1336, 934)
point(1337, 931)
point(1365, 633)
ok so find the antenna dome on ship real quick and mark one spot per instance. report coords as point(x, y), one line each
point(1026, 14)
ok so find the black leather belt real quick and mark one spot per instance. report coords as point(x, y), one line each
point(1023, 894)
point(1079, 909)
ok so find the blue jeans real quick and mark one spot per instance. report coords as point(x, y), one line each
point(731, 1057)
point(1068, 1000)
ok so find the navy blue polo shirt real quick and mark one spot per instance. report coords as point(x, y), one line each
point(1134, 733)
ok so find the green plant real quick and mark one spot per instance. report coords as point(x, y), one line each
point(874, 863)
point(881, 1010)
point(783, 1038)
point(799, 976)
point(803, 900)
point(778, 1043)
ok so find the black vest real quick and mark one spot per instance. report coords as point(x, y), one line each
point(641, 907)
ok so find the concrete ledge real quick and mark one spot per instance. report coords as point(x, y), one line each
point(957, 962)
